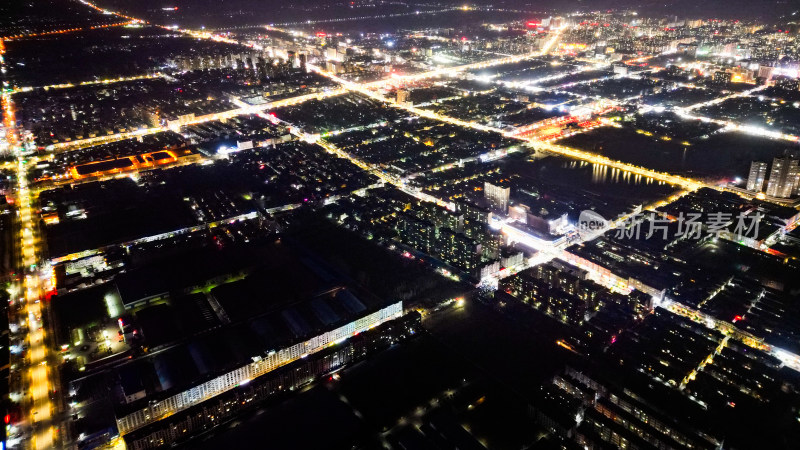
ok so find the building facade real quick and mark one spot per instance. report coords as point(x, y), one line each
point(783, 177)
point(157, 410)
point(497, 196)
point(758, 173)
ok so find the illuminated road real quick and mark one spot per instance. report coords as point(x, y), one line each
point(66, 30)
point(344, 19)
point(385, 177)
point(531, 84)
point(107, 11)
point(397, 80)
point(103, 81)
point(743, 128)
point(550, 251)
point(686, 112)
point(35, 376)
point(33, 286)
point(366, 89)
point(247, 109)
point(718, 100)
point(683, 182)
point(789, 359)
point(242, 110)
point(402, 79)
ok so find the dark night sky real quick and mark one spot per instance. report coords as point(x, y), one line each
point(683, 8)
point(223, 13)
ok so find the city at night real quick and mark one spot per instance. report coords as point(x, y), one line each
point(400, 225)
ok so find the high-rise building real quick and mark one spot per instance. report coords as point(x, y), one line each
point(402, 96)
point(457, 249)
point(722, 77)
point(783, 177)
point(416, 232)
point(331, 53)
point(497, 196)
point(765, 72)
point(758, 173)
